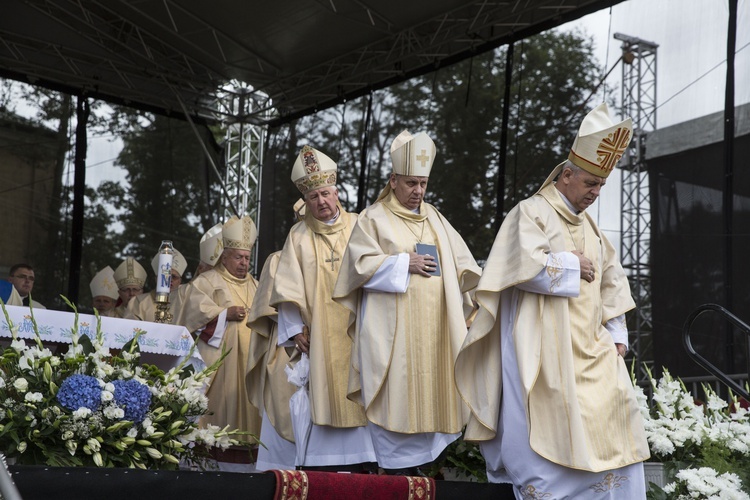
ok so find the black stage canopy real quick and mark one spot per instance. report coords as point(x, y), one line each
point(287, 58)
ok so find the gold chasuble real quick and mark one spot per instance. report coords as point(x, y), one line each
point(208, 295)
point(580, 404)
point(406, 343)
point(266, 380)
point(309, 265)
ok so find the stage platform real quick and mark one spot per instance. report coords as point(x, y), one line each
point(84, 483)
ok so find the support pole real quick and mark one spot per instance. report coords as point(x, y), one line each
point(500, 196)
point(728, 194)
point(83, 111)
point(362, 188)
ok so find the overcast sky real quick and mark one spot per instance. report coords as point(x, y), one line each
point(691, 66)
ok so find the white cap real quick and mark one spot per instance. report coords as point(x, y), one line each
point(179, 263)
point(413, 155)
point(103, 284)
point(313, 170)
point(130, 272)
point(239, 233)
point(212, 245)
point(600, 144)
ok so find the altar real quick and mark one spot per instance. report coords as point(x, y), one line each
point(160, 344)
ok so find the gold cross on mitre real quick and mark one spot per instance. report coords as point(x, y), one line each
point(423, 158)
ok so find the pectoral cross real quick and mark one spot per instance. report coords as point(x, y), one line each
point(332, 260)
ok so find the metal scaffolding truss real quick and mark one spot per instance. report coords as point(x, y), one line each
point(304, 55)
point(639, 103)
point(243, 152)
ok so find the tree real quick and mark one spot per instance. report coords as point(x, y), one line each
point(170, 195)
point(460, 106)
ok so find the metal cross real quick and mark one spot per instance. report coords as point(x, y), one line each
point(332, 260)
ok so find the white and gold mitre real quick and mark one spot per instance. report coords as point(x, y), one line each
point(239, 233)
point(212, 245)
point(179, 263)
point(130, 272)
point(103, 284)
point(413, 155)
point(600, 144)
point(313, 170)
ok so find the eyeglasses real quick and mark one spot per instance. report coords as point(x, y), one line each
point(25, 277)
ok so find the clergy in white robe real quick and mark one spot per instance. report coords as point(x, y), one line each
point(408, 321)
point(267, 384)
point(143, 306)
point(104, 292)
point(214, 308)
point(541, 369)
point(308, 268)
point(130, 278)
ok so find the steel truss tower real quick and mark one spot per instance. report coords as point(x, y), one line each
point(639, 103)
point(243, 156)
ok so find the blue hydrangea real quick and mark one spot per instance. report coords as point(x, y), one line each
point(134, 397)
point(80, 391)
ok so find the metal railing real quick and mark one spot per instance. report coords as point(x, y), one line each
point(729, 381)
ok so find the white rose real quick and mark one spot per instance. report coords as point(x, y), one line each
point(109, 386)
point(107, 396)
point(33, 397)
point(2, 383)
point(81, 413)
point(21, 384)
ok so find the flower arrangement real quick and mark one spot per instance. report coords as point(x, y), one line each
point(705, 446)
point(93, 407)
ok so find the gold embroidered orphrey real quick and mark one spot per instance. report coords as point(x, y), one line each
point(611, 148)
point(610, 482)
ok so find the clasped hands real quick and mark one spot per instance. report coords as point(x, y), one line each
point(421, 264)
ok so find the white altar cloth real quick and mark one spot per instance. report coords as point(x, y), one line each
point(174, 341)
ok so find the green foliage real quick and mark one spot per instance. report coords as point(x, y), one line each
point(465, 458)
point(39, 426)
point(460, 106)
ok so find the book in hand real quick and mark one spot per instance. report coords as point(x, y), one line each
point(424, 249)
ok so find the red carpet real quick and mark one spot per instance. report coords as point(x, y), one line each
point(301, 485)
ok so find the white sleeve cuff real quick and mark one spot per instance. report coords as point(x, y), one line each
point(392, 276)
point(560, 277)
point(221, 327)
point(290, 323)
point(618, 328)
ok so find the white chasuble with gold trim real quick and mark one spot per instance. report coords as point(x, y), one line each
point(406, 343)
point(267, 383)
point(308, 268)
point(581, 408)
point(207, 296)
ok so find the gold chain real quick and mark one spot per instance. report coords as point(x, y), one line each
point(572, 238)
point(333, 259)
point(408, 226)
